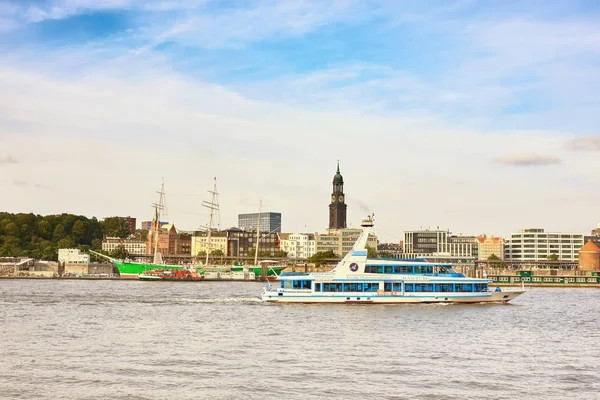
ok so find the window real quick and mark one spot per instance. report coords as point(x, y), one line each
point(444, 287)
point(387, 286)
point(332, 287)
point(481, 287)
point(423, 287)
point(403, 269)
point(464, 287)
point(317, 287)
point(409, 287)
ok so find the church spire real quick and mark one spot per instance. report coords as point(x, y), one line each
point(338, 168)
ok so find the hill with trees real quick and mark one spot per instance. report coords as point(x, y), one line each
point(40, 237)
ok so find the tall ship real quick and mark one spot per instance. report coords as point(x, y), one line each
point(131, 270)
point(357, 279)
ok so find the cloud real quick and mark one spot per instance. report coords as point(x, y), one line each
point(584, 143)
point(250, 91)
point(8, 160)
point(527, 160)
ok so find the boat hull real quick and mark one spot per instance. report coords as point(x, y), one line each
point(276, 296)
point(162, 274)
point(131, 270)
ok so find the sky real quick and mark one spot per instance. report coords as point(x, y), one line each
point(480, 117)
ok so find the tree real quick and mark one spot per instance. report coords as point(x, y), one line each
point(553, 257)
point(120, 252)
point(115, 227)
point(371, 252)
point(217, 253)
point(12, 229)
point(252, 253)
point(493, 257)
point(280, 253)
point(385, 254)
point(58, 233)
point(79, 231)
point(44, 229)
point(66, 243)
point(142, 234)
point(320, 257)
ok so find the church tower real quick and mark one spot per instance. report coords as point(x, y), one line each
point(337, 207)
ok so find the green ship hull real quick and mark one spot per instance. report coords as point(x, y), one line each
point(131, 270)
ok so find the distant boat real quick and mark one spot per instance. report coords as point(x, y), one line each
point(185, 275)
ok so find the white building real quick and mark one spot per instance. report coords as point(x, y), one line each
point(537, 245)
point(298, 245)
point(132, 245)
point(490, 245)
point(218, 241)
point(340, 241)
point(73, 256)
point(425, 243)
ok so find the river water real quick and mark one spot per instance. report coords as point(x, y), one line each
point(69, 339)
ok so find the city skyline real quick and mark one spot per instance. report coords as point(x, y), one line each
point(475, 118)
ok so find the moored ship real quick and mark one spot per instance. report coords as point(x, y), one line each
point(185, 275)
point(357, 279)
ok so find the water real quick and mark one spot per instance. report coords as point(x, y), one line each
point(214, 340)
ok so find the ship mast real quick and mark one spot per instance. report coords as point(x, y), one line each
point(263, 271)
point(158, 207)
point(212, 206)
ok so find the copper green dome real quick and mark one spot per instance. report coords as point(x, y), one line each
point(337, 178)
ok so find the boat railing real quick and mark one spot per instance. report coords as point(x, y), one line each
point(294, 274)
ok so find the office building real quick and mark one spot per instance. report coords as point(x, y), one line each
point(269, 222)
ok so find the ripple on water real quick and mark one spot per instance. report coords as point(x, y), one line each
point(131, 340)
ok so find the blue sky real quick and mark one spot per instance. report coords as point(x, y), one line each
point(477, 116)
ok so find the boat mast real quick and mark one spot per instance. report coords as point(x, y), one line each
point(263, 271)
point(158, 207)
point(212, 206)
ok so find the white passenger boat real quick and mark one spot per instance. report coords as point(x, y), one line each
point(356, 279)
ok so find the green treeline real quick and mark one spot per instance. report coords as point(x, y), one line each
point(40, 237)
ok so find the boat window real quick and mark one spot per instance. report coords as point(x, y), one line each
point(409, 287)
point(389, 269)
point(481, 287)
point(464, 287)
point(423, 287)
point(317, 287)
point(403, 269)
point(417, 269)
point(444, 287)
point(387, 286)
point(332, 287)
point(427, 269)
point(370, 287)
point(397, 286)
point(301, 284)
point(352, 287)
